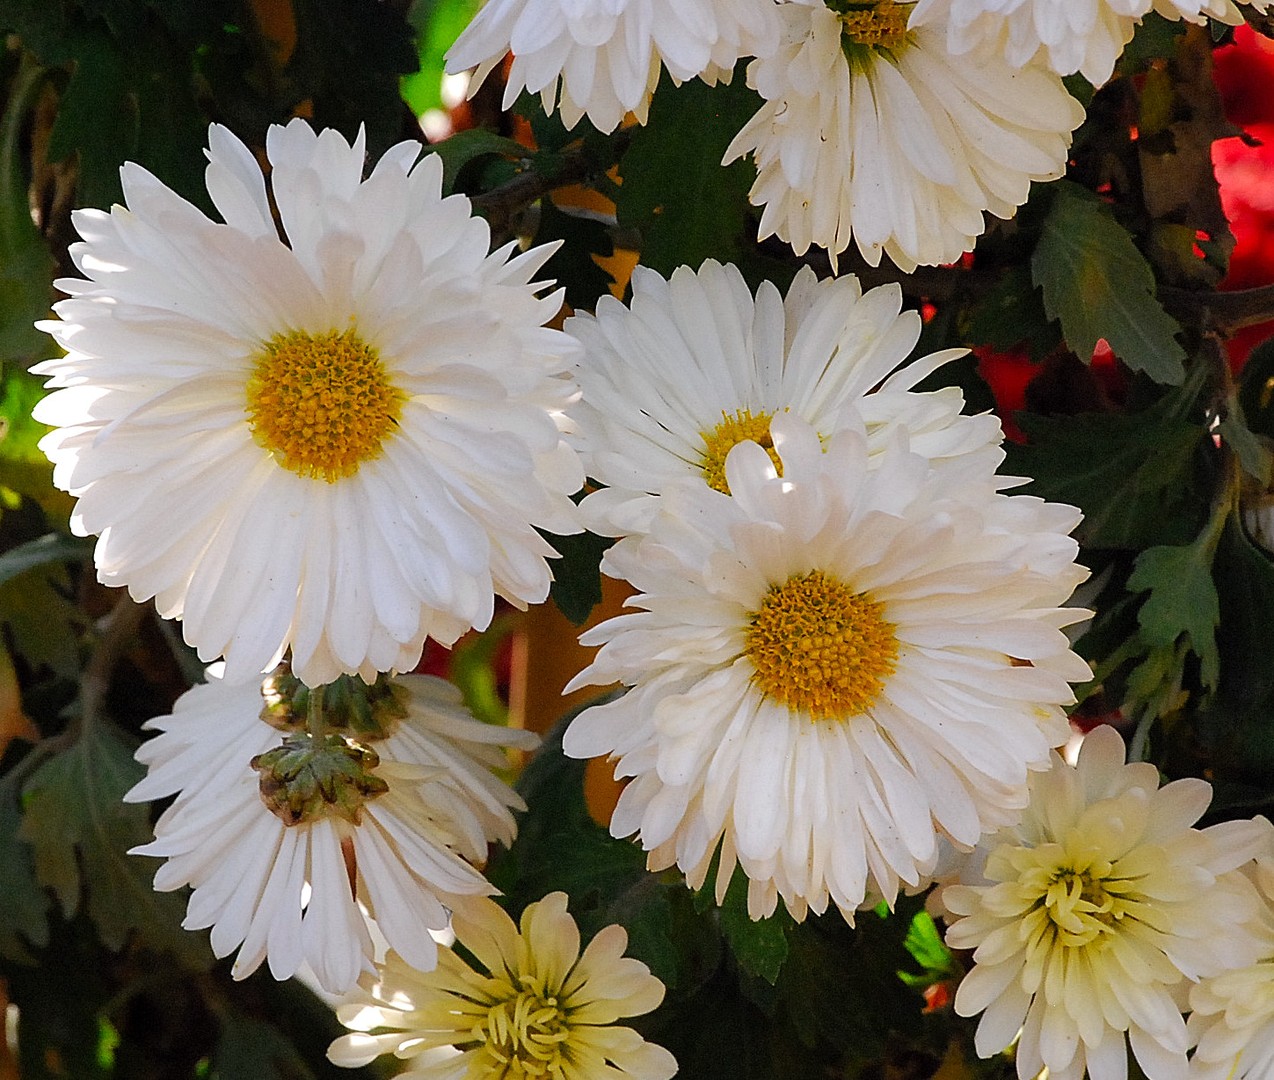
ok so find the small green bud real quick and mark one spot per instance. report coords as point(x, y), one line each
point(350, 706)
point(306, 778)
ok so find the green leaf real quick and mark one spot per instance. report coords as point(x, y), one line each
point(26, 266)
point(675, 191)
point(759, 945)
point(925, 944)
point(465, 147)
point(23, 904)
point(51, 548)
point(1130, 474)
point(573, 266)
point(1182, 602)
point(1010, 314)
point(1099, 285)
point(256, 1049)
point(80, 832)
point(438, 23)
point(1254, 456)
point(97, 117)
point(577, 575)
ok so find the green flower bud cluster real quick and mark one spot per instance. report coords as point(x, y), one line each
point(350, 706)
point(310, 777)
point(325, 766)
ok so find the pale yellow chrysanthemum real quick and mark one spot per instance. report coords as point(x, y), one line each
point(535, 1008)
point(1232, 1014)
point(1093, 916)
point(335, 444)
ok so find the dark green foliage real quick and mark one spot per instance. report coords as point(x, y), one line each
point(676, 193)
point(1098, 285)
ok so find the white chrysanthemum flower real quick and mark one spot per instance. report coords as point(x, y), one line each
point(696, 364)
point(381, 824)
point(340, 444)
point(606, 55)
point(1095, 912)
point(1087, 36)
point(534, 1007)
point(1232, 1014)
point(831, 669)
point(876, 133)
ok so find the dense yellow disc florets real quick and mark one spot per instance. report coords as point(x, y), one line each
point(717, 443)
point(523, 1034)
point(322, 404)
point(818, 647)
point(882, 25)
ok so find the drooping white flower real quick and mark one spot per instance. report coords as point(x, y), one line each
point(696, 364)
point(1231, 1021)
point(1085, 36)
point(875, 133)
point(534, 1007)
point(606, 54)
point(1094, 914)
point(384, 822)
point(338, 444)
point(831, 668)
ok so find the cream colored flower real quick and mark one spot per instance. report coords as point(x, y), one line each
point(340, 444)
point(831, 668)
point(875, 133)
point(289, 844)
point(1097, 911)
point(1231, 1022)
point(696, 363)
point(534, 1007)
point(606, 55)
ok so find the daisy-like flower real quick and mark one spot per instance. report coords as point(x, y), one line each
point(288, 843)
point(697, 364)
point(1232, 1014)
point(606, 56)
point(338, 444)
point(1087, 36)
point(535, 1007)
point(874, 132)
point(831, 668)
point(1095, 913)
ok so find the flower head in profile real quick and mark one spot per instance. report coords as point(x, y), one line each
point(1094, 914)
point(1085, 36)
point(533, 1007)
point(606, 57)
point(1231, 1021)
point(289, 837)
point(831, 668)
point(697, 363)
point(875, 133)
point(340, 444)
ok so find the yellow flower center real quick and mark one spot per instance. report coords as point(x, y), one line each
point(882, 25)
point(717, 444)
point(322, 404)
point(1074, 899)
point(819, 647)
point(523, 1035)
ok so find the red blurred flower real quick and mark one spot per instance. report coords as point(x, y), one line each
point(1244, 165)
